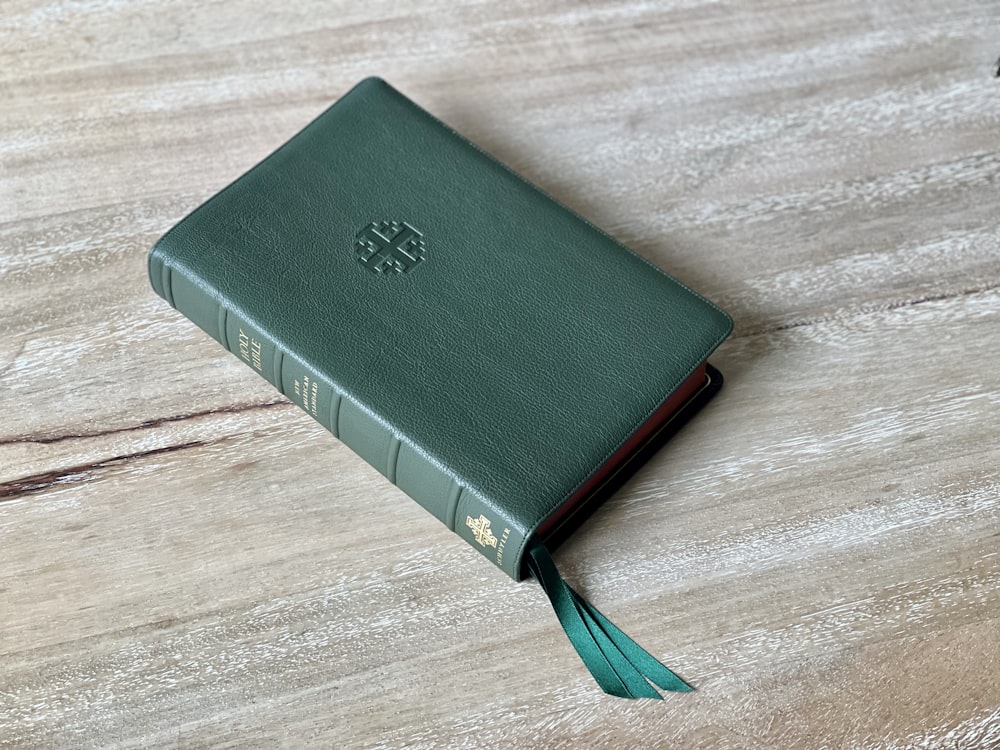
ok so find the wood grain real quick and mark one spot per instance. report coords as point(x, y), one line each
point(189, 561)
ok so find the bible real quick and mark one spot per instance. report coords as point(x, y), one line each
point(501, 360)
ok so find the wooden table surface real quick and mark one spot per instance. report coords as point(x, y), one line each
point(187, 560)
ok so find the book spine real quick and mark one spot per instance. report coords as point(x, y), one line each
point(249, 343)
point(460, 508)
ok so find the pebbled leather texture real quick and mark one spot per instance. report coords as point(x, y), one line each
point(495, 359)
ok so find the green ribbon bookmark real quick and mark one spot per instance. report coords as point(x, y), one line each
point(620, 665)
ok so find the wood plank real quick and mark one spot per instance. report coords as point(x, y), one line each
point(735, 565)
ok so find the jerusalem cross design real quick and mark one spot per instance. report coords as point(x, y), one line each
point(388, 247)
point(481, 530)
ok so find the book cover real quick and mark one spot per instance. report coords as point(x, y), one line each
point(490, 352)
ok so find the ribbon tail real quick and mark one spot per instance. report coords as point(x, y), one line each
point(648, 665)
point(620, 666)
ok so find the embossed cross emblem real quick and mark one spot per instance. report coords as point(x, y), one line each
point(481, 530)
point(389, 247)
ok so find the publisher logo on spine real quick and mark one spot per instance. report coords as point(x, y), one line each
point(389, 247)
point(481, 530)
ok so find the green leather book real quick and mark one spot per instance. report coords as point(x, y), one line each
point(493, 354)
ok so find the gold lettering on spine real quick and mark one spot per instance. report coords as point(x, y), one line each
point(244, 346)
point(307, 392)
point(501, 545)
point(255, 359)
